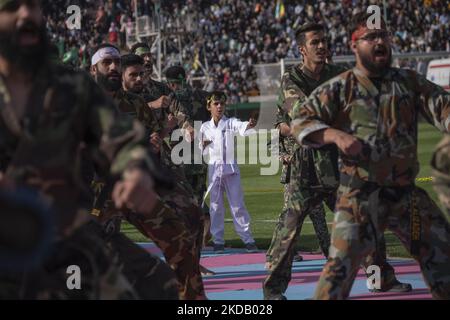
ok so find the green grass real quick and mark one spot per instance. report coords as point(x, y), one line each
point(264, 199)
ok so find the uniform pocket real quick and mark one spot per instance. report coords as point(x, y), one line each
point(326, 166)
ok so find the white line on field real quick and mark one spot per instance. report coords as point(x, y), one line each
point(274, 221)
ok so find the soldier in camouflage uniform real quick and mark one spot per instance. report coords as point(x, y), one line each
point(310, 175)
point(154, 91)
point(167, 114)
point(371, 113)
point(166, 107)
point(441, 173)
point(196, 171)
point(296, 84)
point(172, 225)
point(47, 114)
point(185, 104)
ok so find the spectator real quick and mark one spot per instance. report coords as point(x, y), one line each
point(113, 33)
point(233, 35)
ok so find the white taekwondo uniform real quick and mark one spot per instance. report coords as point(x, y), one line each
point(224, 175)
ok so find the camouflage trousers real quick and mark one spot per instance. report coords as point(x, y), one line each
point(100, 271)
point(177, 230)
point(176, 226)
point(317, 216)
point(298, 203)
point(196, 175)
point(152, 278)
point(362, 215)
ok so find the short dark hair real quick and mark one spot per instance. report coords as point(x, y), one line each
point(139, 45)
point(216, 95)
point(360, 19)
point(175, 73)
point(131, 59)
point(300, 34)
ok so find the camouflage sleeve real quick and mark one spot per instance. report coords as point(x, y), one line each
point(135, 106)
point(434, 103)
point(281, 117)
point(318, 112)
point(115, 142)
point(181, 113)
point(441, 173)
point(146, 115)
point(280, 114)
point(289, 94)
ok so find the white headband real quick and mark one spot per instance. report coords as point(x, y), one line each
point(103, 53)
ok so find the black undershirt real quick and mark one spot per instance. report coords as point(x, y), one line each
point(377, 83)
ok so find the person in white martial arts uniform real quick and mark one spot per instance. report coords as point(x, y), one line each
point(217, 142)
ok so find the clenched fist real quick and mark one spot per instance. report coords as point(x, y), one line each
point(348, 144)
point(155, 142)
point(171, 121)
point(161, 102)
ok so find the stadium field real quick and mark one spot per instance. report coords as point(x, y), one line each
point(264, 197)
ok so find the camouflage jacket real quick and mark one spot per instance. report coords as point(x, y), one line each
point(194, 102)
point(181, 110)
point(441, 173)
point(133, 107)
point(385, 120)
point(154, 89)
point(136, 107)
point(198, 110)
point(66, 110)
point(312, 165)
point(189, 105)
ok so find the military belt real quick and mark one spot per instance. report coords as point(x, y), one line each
point(393, 194)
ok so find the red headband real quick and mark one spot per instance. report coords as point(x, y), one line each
point(358, 33)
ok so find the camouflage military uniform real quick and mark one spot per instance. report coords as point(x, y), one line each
point(153, 90)
point(172, 225)
point(66, 110)
point(317, 169)
point(441, 173)
point(377, 189)
point(184, 121)
point(101, 273)
point(309, 178)
point(196, 174)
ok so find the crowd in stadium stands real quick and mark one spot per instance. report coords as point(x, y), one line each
point(232, 35)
